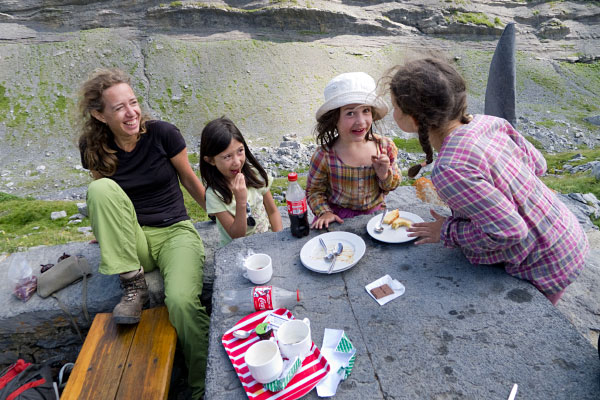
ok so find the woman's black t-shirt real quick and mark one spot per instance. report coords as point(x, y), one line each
point(148, 177)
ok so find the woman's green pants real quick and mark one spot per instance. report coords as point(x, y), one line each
point(176, 250)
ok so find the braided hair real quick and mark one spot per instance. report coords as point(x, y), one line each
point(433, 93)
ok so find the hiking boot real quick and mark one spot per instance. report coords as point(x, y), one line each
point(135, 295)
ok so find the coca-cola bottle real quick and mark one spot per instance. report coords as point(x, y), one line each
point(296, 205)
point(258, 298)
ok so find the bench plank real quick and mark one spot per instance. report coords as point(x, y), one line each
point(125, 361)
point(148, 371)
point(100, 363)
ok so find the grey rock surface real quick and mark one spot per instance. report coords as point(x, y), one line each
point(39, 330)
point(459, 331)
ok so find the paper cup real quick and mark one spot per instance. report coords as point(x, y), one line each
point(294, 338)
point(259, 268)
point(264, 361)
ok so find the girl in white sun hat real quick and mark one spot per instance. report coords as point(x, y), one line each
point(354, 168)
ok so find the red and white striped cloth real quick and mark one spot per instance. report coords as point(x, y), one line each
point(313, 369)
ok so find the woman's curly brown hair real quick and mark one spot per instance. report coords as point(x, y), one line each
point(95, 135)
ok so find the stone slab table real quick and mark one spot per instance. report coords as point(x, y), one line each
point(459, 332)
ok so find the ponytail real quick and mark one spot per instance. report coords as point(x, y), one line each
point(466, 118)
point(433, 93)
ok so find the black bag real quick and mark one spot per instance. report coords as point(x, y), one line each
point(27, 381)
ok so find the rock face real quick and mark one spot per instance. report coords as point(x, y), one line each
point(264, 64)
point(569, 20)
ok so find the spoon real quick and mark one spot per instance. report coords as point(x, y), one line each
point(379, 227)
point(241, 334)
point(328, 256)
point(336, 252)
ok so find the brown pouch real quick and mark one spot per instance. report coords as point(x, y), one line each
point(62, 275)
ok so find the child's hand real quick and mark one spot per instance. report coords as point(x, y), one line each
point(240, 192)
point(429, 232)
point(381, 164)
point(324, 220)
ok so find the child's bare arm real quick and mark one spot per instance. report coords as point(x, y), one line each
point(236, 226)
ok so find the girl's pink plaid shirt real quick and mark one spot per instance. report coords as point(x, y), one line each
point(487, 173)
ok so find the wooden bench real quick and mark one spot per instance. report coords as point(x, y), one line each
point(125, 361)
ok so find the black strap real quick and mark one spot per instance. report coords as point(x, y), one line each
point(71, 317)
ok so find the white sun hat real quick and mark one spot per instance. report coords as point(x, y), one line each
point(352, 88)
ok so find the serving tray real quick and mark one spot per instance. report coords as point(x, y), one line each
point(314, 366)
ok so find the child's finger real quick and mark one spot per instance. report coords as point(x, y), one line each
point(240, 180)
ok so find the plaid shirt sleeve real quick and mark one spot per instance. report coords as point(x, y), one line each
point(395, 176)
point(318, 182)
point(493, 222)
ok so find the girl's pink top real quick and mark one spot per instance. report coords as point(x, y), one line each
point(487, 173)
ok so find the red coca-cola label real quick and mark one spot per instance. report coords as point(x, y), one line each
point(296, 207)
point(262, 297)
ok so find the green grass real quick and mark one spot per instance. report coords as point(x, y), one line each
point(536, 143)
point(557, 161)
point(548, 123)
point(4, 103)
point(476, 18)
point(575, 183)
point(408, 145)
point(25, 222)
point(279, 186)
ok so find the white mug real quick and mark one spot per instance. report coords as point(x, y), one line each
point(259, 268)
point(294, 338)
point(264, 361)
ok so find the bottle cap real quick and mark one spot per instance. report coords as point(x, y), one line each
point(292, 176)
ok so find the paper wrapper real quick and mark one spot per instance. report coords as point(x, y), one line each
point(341, 355)
point(289, 369)
point(396, 286)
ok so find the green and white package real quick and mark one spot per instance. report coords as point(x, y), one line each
point(289, 370)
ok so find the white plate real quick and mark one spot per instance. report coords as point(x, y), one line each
point(390, 235)
point(312, 252)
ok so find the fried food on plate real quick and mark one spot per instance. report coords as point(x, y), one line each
point(389, 217)
point(398, 222)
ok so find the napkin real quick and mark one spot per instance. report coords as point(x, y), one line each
point(340, 353)
point(396, 286)
point(290, 367)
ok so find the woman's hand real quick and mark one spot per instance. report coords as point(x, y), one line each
point(429, 232)
point(381, 164)
point(238, 187)
point(324, 220)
